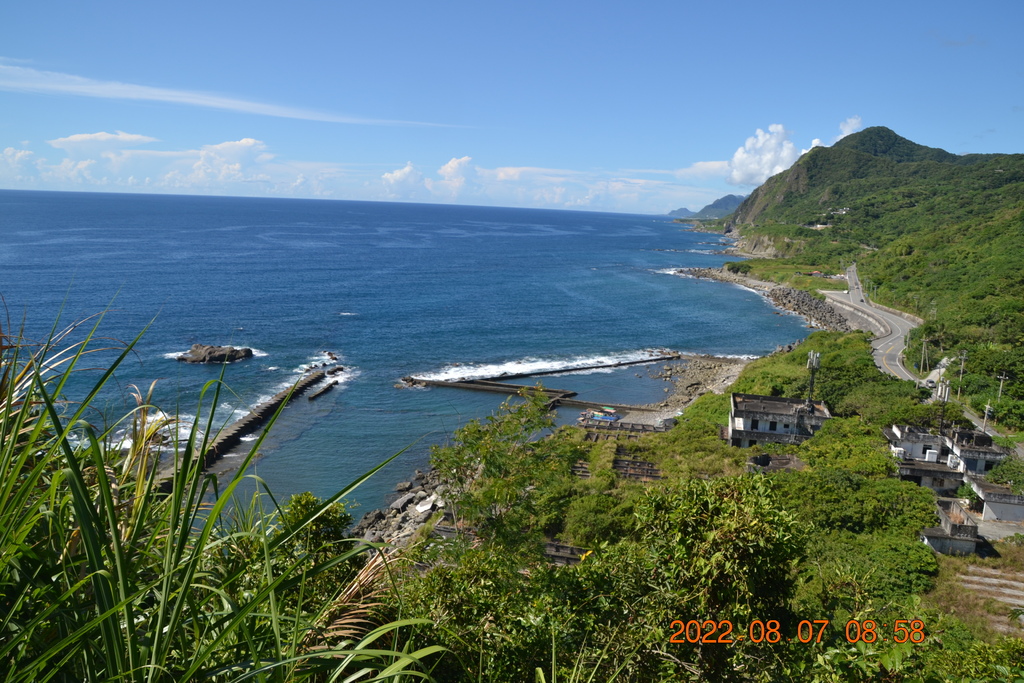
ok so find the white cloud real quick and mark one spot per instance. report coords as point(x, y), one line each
point(403, 183)
point(25, 79)
point(849, 127)
point(16, 157)
point(70, 171)
point(16, 165)
point(132, 161)
point(762, 156)
point(455, 175)
point(224, 163)
point(94, 144)
point(703, 169)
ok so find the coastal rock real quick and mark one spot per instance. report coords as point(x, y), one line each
point(815, 310)
point(202, 353)
point(398, 523)
point(818, 312)
point(400, 504)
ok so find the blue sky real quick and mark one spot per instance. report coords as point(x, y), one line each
point(634, 107)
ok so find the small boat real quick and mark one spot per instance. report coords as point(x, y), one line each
point(604, 414)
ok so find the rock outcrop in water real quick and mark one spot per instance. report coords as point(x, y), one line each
point(201, 353)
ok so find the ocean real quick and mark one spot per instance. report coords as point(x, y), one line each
point(390, 289)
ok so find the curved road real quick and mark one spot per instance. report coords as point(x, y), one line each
point(887, 349)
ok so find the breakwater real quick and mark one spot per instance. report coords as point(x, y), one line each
point(555, 397)
point(231, 436)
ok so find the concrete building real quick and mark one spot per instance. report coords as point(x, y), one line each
point(1000, 503)
point(913, 443)
point(772, 419)
point(957, 533)
point(944, 463)
point(971, 451)
point(920, 457)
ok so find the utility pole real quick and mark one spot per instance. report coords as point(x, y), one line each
point(813, 363)
point(942, 392)
point(1002, 378)
point(984, 423)
point(963, 358)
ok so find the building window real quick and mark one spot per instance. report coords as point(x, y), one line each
point(772, 426)
point(785, 427)
point(753, 424)
point(753, 442)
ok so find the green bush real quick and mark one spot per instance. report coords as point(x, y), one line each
point(103, 577)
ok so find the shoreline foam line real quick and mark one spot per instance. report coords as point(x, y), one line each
point(673, 355)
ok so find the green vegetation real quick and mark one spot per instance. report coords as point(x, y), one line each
point(933, 234)
point(103, 578)
point(1011, 473)
point(836, 540)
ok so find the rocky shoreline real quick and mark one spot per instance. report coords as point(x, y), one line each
point(398, 523)
point(690, 380)
point(819, 313)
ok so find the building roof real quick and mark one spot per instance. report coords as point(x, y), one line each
point(974, 440)
point(776, 405)
point(911, 433)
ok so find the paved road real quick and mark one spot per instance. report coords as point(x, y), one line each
point(887, 349)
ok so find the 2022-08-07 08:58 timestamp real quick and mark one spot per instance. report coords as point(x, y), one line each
point(709, 631)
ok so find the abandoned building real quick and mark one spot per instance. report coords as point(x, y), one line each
point(922, 459)
point(772, 419)
point(971, 451)
point(943, 463)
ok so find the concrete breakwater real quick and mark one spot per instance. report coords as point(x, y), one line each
point(556, 397)
point(231, 436)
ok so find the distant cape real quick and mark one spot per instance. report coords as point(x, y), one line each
point(717, 209)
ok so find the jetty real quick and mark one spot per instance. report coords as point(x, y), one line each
point(231, 436)
point(556, 397)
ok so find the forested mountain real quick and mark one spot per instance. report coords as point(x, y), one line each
point(935, 234)
point(717, 209)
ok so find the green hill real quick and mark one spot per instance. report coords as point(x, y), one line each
point(717, 209)
point(933, 233)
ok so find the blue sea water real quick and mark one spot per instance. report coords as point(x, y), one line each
point(392, 289)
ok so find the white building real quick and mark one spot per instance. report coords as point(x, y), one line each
point(771, 419)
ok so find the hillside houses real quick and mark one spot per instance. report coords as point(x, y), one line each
point(945, 462)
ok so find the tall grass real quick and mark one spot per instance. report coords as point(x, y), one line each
point(104, 578)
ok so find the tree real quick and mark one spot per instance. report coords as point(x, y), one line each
point(493, 467)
